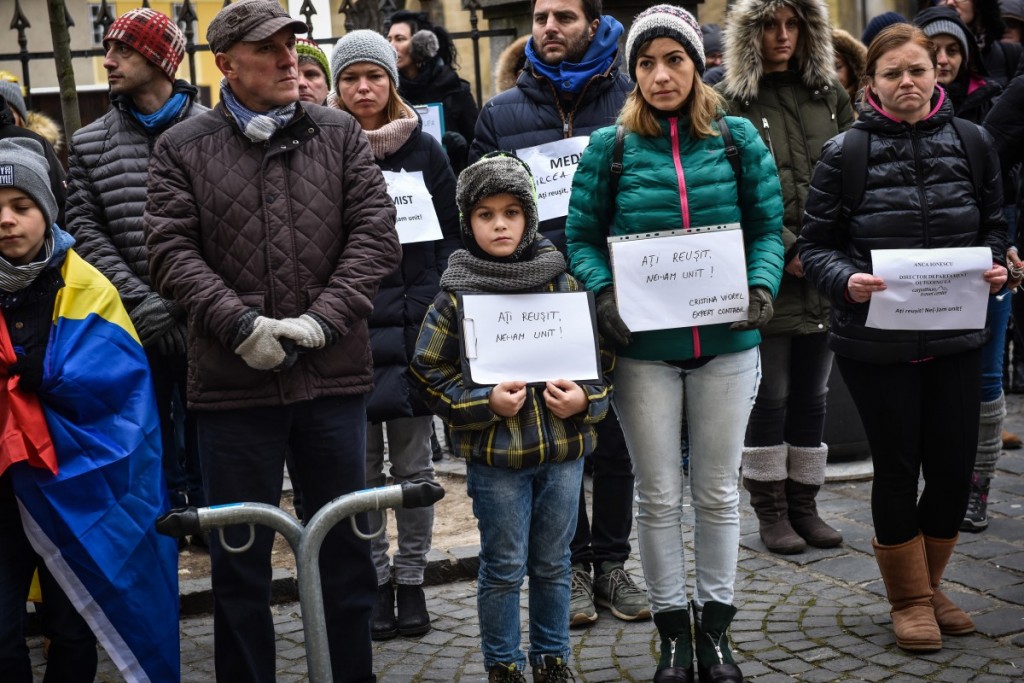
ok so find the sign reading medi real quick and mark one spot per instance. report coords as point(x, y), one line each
point(528, 337)
point(553, 165)
point(680, 278)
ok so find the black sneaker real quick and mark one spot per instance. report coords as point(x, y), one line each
point(553, 670)
point(976, 519)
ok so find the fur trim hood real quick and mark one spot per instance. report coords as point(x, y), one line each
point(744, 30)
point(46, 127)
point(510, 63)
point(851, 50)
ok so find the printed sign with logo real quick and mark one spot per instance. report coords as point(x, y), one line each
point(680, 278)
point(553, 165)
point(415, 218)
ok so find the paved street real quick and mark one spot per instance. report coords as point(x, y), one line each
point(819, 616)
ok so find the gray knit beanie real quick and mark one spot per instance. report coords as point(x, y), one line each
point(11, 92)
point(950, 28)
point(665, 21)
point(364, 46)
point(497, 173)
point(23, 166)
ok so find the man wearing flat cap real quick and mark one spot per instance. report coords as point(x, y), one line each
point(271, 224)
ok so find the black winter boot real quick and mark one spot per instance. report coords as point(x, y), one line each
point(383, 625)
point(553, 670)
point(676, 662)
point(714, 659)
point(413, 620)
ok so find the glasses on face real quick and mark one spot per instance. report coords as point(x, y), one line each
point(896, 75)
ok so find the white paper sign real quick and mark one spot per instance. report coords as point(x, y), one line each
point(930, 289)
point(529, 337)
point(553, 165)
point(432, 116)
point(415, 218)
point(680, 278)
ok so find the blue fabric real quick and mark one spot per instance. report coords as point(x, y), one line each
point(162, 116)
point(526, 518)
point(572, 77)
point(992, 351)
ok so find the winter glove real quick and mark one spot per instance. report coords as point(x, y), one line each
point(152, 318)
point(30, 372)
point(262, 346)
point(608, 320)
point(174, 342)
point(759, 312)
point(310, 331)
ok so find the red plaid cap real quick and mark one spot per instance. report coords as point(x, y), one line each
point(153, 35)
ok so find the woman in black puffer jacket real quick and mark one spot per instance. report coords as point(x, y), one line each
point(365, 79)
point(426, 65)
point(917, 392)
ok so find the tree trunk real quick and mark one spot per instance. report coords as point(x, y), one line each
point(65, 70)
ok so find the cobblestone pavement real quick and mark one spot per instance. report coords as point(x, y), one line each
point(819, 616)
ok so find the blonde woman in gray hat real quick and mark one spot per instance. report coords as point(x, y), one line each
point(422, 184)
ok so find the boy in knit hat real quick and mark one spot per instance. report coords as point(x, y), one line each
point(79, 414)
point(524, 444)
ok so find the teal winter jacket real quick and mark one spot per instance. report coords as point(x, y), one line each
point(653, 196)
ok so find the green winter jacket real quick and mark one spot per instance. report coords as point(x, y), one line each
point(796, 112)
point(650, 198)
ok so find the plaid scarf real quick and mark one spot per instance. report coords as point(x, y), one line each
point(258, 127)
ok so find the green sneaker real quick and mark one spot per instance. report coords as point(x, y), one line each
point(581, 598)
point(615, 589)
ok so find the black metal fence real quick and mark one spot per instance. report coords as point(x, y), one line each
point(187, 18)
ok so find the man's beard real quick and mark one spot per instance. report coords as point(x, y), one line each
point(575, 50)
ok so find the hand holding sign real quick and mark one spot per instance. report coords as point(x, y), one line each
point(564, 398)
point(507, 398)
point(861, 286)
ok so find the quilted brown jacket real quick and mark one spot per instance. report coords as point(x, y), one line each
point(300, 223)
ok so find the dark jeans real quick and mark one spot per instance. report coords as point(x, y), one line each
point(177, 430)
point(919, 418)
point(606, 537)
point(72, 657)
point(242, 452)
point(790, 405)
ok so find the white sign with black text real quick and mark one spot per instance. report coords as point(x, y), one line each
point(432, 116)
point(553, 165)
point(415, 218)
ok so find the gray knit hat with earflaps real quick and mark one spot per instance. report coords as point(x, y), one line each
point(497, 173)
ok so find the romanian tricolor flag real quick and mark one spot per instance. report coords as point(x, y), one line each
point(85, 463)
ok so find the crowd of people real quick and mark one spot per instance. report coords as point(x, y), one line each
point(211, 295)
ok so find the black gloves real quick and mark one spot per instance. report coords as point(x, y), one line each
point(30, 370)
point(608, 320)
point(759, 312)
point(153, 317)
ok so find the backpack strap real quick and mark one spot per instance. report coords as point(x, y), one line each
point(974, 146)
point(616, 167)
point(732, 153)
point(856, 146)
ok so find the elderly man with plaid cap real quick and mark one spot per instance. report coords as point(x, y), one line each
point(269, 221)
point(108, 166)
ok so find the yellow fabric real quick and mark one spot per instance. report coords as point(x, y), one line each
point(86, 291)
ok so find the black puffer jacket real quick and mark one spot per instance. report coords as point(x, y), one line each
point(918, 194)
point(438, 82)
point(532, 113)
point(404, 296)
point(1005, 123)
point(108, 164)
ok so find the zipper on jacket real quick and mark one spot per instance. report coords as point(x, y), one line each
point(924, 215)
point(684, 204)
point(767, 135)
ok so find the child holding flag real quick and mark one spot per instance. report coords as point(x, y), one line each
point(80, 474)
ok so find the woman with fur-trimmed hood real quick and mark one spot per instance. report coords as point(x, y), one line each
point(851, 58)
point(780, 75)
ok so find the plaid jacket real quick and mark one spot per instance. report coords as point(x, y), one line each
point(531, 437)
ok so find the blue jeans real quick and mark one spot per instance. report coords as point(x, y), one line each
point(649, 397)
point(242, 453)
point(992, 352)
point(526, 518)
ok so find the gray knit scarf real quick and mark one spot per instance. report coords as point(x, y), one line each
point(257, 126)
point(466, 272)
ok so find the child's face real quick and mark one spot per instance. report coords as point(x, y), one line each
point(498, 223)
point(22, 226)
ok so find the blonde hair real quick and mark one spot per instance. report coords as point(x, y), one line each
point(704, 105)
point(395, 109)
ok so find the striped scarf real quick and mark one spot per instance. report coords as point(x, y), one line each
point(258, 127)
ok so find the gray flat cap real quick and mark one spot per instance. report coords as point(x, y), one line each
point(249, 20)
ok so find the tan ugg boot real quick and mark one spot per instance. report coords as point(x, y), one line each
point(951, 619)
point(904, 569)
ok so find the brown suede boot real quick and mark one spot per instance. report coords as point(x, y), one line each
point(952, 620)
point(764, 476)
point(806, 467)
point(904, 569)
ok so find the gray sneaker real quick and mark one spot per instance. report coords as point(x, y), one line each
point(581, 598)
point(615, 589)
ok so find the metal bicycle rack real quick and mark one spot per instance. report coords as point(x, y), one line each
point(305, 542)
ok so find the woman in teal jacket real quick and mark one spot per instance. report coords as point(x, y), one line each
point(675, 175)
